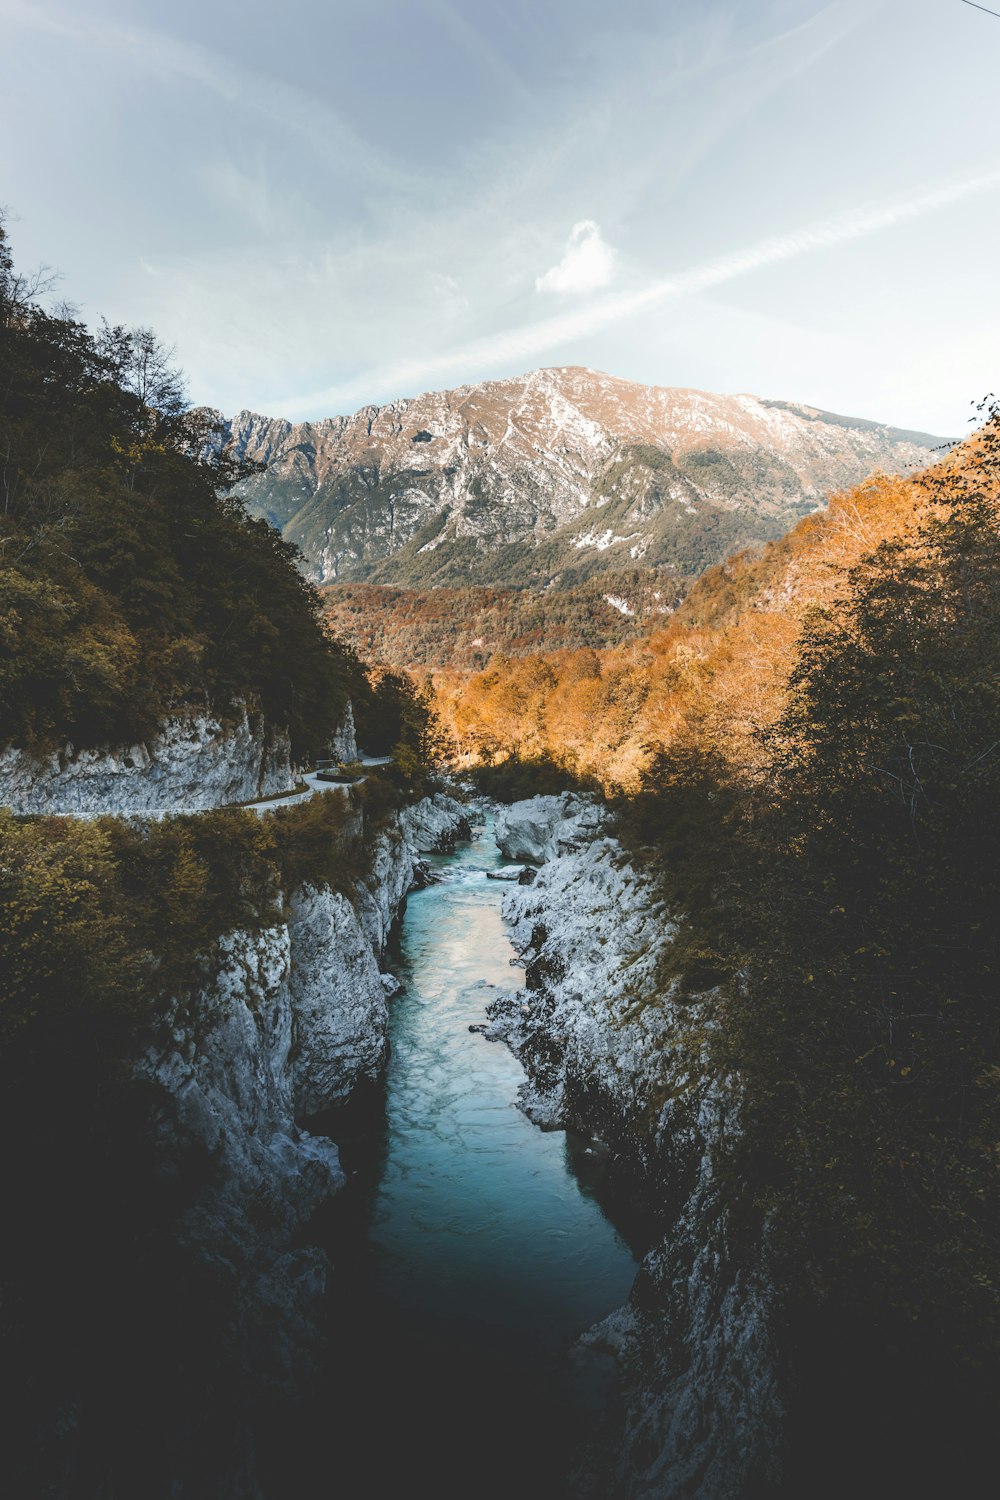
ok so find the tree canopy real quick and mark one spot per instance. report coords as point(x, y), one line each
point(131, 584)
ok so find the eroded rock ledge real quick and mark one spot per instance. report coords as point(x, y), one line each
point(197, 762)
point(610, 1050)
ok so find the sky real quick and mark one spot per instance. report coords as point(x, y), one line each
point(324, 204)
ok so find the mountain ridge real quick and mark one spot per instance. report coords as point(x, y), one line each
point(551, 477)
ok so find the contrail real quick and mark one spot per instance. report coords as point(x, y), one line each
point(537, 338)
point(984, 8)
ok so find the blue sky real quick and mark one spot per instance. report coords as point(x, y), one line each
point(325, 204)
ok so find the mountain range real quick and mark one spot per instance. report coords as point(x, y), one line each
point(551, 478)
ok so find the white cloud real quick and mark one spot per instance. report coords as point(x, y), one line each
point(514, 345)
point(587, 265)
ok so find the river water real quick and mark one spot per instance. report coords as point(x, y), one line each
point(480, 1250)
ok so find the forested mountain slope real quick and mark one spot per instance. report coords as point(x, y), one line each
point(717, 670)
point(555, 475)
point(177, 992)
point(464, 628)
point(824, 814)
point(130, 586)
point(811, 746)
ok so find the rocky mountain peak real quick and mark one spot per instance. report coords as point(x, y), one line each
point(552, 476)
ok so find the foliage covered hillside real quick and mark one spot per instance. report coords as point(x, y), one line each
point(830, 847)
point(465, 628)
point(716, 672)
point(812, 745)
point(128, 585)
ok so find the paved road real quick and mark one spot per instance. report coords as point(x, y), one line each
point(314, 785)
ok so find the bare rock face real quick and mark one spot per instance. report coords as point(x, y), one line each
point(289, 1022)
point(292, 1022)
point(435, 824)
point(539, 828)
point(195, 763)
point(225, 1068)
point(338, 1002)
point(609, 1054)
point(344, 746)
point(561, 470)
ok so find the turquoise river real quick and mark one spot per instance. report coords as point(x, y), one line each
point(477, 1250)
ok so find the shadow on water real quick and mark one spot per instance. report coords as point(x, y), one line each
point(470, 1248)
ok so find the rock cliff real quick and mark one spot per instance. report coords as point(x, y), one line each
point(197, 762)
point(289, 1023)
point(541, 827)
point(609, 1054)
point(559, 472)
point(344, 746)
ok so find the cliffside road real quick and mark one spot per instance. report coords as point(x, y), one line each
point(313, 785)
point(291, 799)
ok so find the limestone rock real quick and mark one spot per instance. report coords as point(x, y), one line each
point(539, 828)
point(338, 1000)
point(197, 762)
point(292, 1020)
point(344, 745)
point(609, 1054)
point(435, 824)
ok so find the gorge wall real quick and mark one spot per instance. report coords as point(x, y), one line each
point(197, 762)
point(288, 1023)
point(291, 1023)
point(611, 1053)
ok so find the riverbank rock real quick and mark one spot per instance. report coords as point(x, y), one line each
point(542, 827)
point(290, 1022)
point(611, 1051)
point(294, 1018)
point(436, 824)
point(338, 1001)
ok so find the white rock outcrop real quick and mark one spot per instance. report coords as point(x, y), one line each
point(225, 1067)
point(344, 745)
point(434, 824)
point(291, 1023)
point(609, 1051)
point(197, 762)
point(542, 827)
point(286, 1022)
